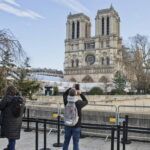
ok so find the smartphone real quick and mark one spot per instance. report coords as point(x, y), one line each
point(77, 86)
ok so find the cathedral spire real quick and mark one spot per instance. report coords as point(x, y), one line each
point(111, 6)
point(70, 14)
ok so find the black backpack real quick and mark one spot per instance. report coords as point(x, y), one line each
point(16, 106)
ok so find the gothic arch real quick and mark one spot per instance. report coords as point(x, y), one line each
point(73, 79)
point(72, 63)
point(77, 62)
point(108, 60)
point(103, 25)
point(103, 79)
point(78, 29)
point(73, 30)
point(87, 79)
point(108, 25)
point(102, 61)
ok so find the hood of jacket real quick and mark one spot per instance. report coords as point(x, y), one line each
point(10, 98)
point(71, 99)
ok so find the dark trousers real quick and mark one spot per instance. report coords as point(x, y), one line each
point(75, 134)
point(11, 144)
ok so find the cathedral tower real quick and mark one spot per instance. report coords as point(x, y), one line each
point(78, 26)
point(107, 22)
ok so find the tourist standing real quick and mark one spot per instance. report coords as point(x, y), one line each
point(72, 126)
point(12, 107)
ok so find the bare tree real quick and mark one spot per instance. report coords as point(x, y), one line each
point(9, 43)
point(136, 60)
point(11, 56)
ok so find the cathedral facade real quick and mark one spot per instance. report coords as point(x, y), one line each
point(93, 58)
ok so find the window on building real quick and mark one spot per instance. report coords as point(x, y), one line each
point(102, 60)
point(73, 30)
point(103, 26)
point(108, 60)
point(78, 29)
point(77, 63)
point(72, 63)
point(108, 25)
point(90, 45)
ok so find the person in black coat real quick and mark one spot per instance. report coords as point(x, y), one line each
point(74, 131)
point(10, 124)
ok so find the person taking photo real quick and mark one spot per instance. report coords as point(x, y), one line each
point(73, 115)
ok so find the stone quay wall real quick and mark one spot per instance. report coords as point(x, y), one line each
point(106, 99)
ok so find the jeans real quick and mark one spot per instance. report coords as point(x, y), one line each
point(75, 134)
point(11, 144)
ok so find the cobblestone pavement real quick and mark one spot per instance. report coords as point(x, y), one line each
point(27, 142)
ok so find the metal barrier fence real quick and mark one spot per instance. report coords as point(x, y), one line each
point(103, 114)
point(46, 122)
point(40, 109)
point(48, 110)
point(119, 115)
point(138, 117)
point(118, 129)
point(98, 113)
point(59, 113)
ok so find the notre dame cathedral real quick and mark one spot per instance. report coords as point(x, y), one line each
point(97, 58)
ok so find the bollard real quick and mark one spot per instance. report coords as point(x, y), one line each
point(36, 136)
point(124, 134)
point(45, 137)
point(118, 137)
point(28, 122)
point(58, 144)
point(112, 138)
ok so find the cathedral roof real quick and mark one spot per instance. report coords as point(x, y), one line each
point(111, 9)
point(71, 16)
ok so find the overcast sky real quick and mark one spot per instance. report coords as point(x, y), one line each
point(40, 25)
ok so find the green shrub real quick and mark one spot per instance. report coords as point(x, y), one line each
point(56, 91)
point(117, 92)
point(95, 91)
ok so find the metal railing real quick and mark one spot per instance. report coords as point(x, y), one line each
point(119, 128)
point(138, 117)
point(58, 144)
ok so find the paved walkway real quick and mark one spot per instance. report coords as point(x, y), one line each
point(27, 142)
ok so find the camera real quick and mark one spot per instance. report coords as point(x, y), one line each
point(77, 86)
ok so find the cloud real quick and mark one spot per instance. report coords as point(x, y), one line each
point(74, 5)
point(12, 2)
point(21, 13)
